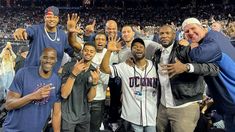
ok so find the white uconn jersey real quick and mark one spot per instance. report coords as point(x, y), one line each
point(139, 93)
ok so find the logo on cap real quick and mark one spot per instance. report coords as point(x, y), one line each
point(49, 12)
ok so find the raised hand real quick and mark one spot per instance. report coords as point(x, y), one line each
point(8, 45)
point(113, 43)
point(90, 28)
point(20, 34)
point(79, 67)
point(43, 92)
point(93, 25)
point(72, 23)
point(183, 42)
point(95, 75)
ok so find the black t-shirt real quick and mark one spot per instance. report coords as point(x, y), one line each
point(75, 109)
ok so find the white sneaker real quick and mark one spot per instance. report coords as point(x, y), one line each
point(102, 126)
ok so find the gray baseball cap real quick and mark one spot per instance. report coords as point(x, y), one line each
point(52, 10)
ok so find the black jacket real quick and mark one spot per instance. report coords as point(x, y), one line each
point(187, 87)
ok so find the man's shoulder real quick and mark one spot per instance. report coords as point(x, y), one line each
point(29, 68)
point(123, 66)
point(61, 31)
point(70, 64)
point(26, 72)
point(56, 76)
point(36, 26)
point(215, 35)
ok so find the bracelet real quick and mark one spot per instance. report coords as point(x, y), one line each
point(72, 75)
point(94, 84)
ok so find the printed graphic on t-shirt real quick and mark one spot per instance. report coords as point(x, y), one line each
point(44, 100)
point(145, 81)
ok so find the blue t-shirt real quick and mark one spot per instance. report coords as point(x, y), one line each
point(39, 39)
point(33, 116)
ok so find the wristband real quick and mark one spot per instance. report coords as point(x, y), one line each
point(94, 84)
point(72, 75)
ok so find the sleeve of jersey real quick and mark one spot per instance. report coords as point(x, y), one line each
point(17, 84)
point(208, 51)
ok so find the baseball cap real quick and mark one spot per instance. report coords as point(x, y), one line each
point(141, 41)
point(191, 20)
point(52, 10)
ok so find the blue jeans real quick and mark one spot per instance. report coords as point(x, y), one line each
point(1, 88)
point(7, 79)
point(139, 128)
point(229, 121)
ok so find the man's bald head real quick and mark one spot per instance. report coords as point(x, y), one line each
point(111, 27)
point(49, 49)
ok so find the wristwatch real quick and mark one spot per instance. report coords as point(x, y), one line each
point(187, 67)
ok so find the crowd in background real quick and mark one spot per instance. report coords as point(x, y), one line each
point(20, 16)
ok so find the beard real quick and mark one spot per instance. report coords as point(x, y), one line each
point(139, 57)
point(166, 45)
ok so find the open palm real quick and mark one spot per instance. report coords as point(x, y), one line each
point(72, 23)
point(112, 44)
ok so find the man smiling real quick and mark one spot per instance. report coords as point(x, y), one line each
point(32, 95)
point(48, 34)
point(80, 80)
point(214, 47)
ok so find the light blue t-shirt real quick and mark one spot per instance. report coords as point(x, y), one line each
point(33, 116)
point(39, 39)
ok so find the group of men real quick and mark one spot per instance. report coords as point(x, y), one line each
point(161, 84)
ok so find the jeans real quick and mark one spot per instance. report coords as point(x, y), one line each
point(115, 101)
point(229, 121)
point(139, 128)
point(80, 127)
point(7, 79)
point(97, 112)
point(1, 88)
